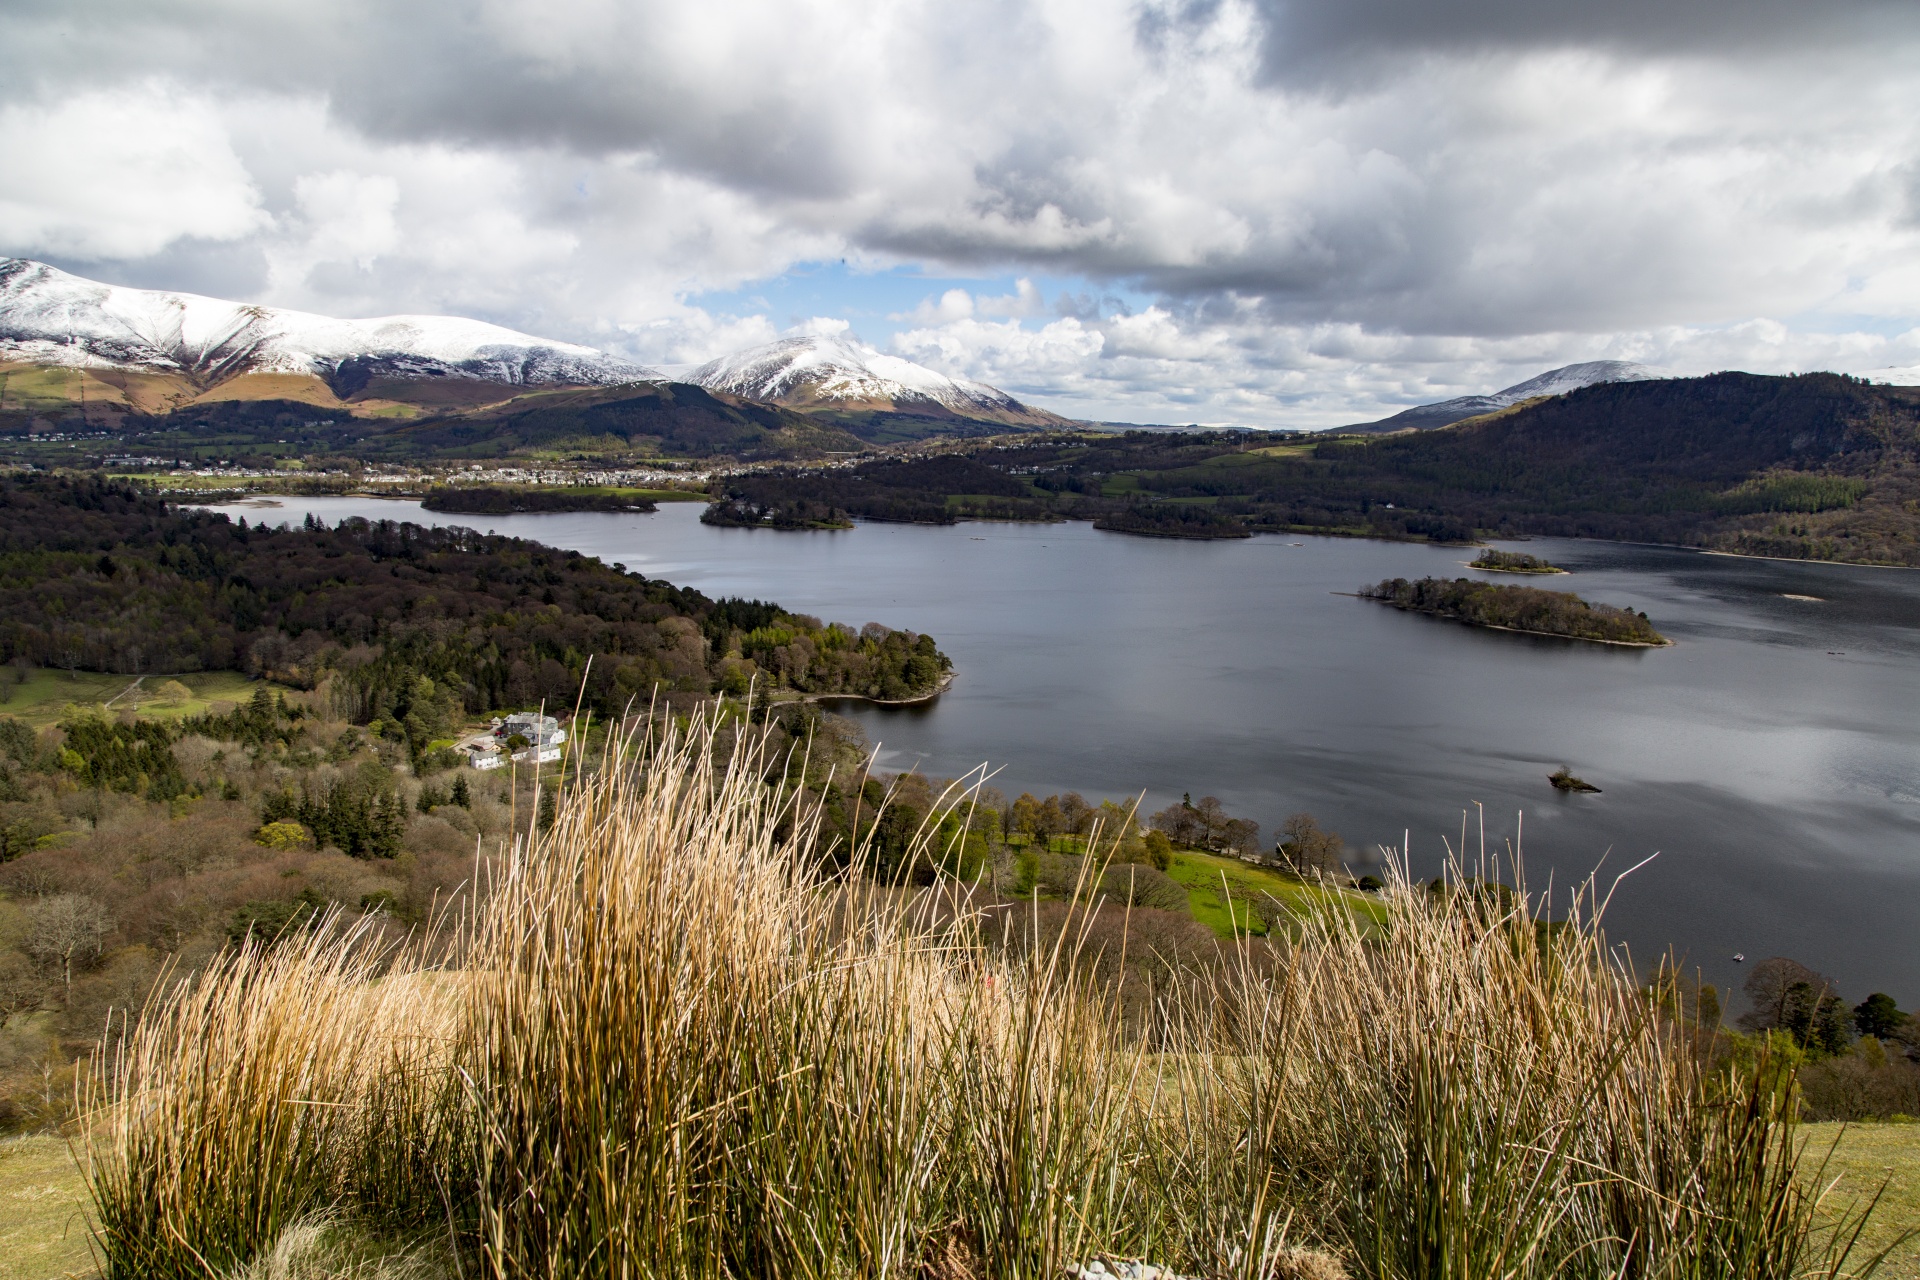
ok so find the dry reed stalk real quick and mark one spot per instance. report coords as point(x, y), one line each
point(677, 1048)
point(257, 1092)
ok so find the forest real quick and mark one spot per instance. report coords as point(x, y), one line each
point(1817, 466)
point(101, 577)
point(491, 500)
point(1546, 613)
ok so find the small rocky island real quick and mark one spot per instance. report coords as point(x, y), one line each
point(1513, 562)
point(1517, 608)
point(1563, 780)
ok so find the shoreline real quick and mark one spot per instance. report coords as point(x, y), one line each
point(1525, 573)
point(946, 683)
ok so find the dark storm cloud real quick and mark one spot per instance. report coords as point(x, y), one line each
point(1309, 39)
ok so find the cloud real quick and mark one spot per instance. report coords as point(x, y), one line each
point(120, 173)
point(1155, 366)
point(1312, 203)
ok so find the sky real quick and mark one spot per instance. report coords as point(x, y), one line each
point(1281, 213)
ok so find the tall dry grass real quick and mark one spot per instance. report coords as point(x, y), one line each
point(670, 1046)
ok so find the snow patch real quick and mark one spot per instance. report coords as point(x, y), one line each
point(50, 317)
point(829, 367)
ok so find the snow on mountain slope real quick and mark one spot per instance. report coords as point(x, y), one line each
point(50, 317)
point(832, 373)
point(1554, 382)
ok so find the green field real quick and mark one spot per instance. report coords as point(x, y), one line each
point(1865, 1157)
point(1206, 875)
point(43, 1211)
point(44, 695)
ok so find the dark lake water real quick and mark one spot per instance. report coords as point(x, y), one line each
point(1771, 758)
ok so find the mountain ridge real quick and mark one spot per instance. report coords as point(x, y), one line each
point(838, 376)
point(1554, 382)
point(49, 317)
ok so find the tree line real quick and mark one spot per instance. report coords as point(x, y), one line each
point(1816, 466)
point(412, 626)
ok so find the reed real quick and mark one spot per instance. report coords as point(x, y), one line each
point(669, 1045)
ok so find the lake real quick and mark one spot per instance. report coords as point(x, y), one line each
point(1771, 758)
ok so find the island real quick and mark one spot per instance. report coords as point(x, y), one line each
point(504, 500)
point(1563, 780)
point(1513, 562)
point(1173, 520)
point(795, 513)
point(1515, 608)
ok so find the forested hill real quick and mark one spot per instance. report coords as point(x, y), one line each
point(101, 577)
point(1818, 466)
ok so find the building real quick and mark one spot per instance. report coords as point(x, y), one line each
point(540, 731)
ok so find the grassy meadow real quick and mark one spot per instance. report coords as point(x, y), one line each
point(1225, 894)
point(669, 1042)
point(42, 695)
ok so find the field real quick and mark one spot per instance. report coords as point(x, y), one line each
point(1204, 874)
point(43, 1211)
point(43, 695)
point(1865, 1156)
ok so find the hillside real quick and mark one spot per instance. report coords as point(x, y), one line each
point(263, 416)
point(1817, 466)
point(1554, 382)
point(102, 578)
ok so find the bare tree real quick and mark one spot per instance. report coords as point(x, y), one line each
point(1773, 989)
point(65, 927)
point(1307, 848)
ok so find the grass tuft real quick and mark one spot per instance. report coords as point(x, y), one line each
point(670, 1044)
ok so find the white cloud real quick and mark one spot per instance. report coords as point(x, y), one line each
point(1340, 206)
point(1156, 367)
point(120, 173)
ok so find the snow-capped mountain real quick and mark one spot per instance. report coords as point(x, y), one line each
point(50, 317)
point(1554, 382)
point(831, 373)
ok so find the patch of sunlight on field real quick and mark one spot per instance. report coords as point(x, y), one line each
point(44, 695)
point(1245, 883)
point(43, 1211)
point(1866, 1156)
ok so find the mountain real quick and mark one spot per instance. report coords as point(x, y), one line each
point(1553, 382)
point(51, 318)
point(874, 395)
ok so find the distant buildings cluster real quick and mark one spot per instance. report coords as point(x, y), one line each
point(541, 736)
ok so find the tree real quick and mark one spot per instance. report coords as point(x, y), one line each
point(1181, 824)
point(66, 927)
point(1159, 850)
point(1026, 817)
point(1307, 848)
point(1213, 820)
point(1769, 987)
point(1878, 1016)
point(1787, 996)
point(462, 795)
point(174, 694)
